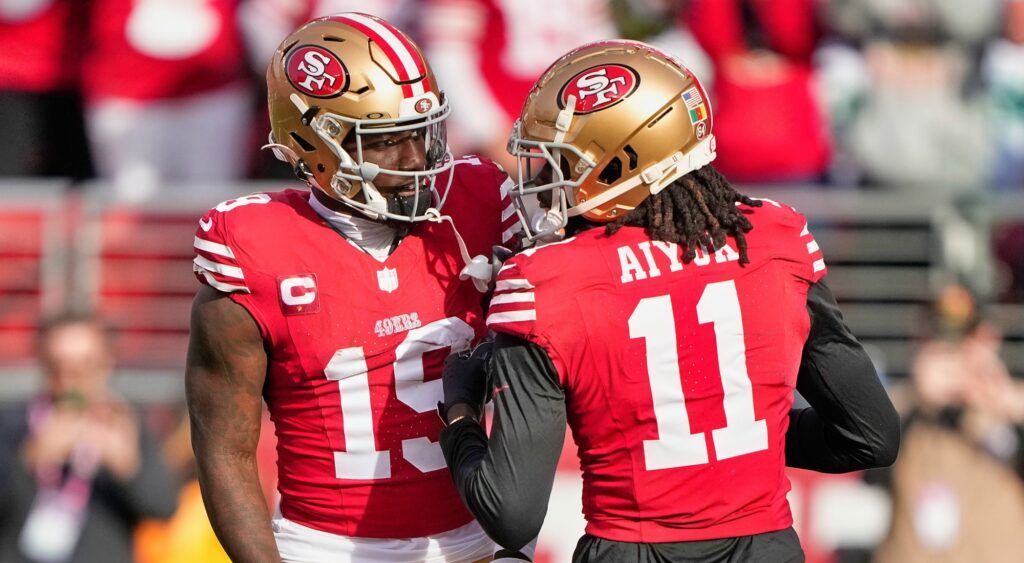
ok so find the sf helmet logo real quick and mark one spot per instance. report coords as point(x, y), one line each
point(599, 87)
point(424, 105)
point(315, 71)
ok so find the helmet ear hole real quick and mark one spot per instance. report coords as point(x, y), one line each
point(633, 157)
point(306, 145)
point(612, 172)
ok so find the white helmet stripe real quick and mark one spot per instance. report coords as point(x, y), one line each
point(406, 58)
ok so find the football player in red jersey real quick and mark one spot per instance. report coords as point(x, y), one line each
point(670, 329)
point(339, 305)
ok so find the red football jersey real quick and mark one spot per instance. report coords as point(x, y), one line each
point(678, 377)
point(154, 49)
point(356, 347)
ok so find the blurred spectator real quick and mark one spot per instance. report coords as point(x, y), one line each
point(919, 117)
point(40, 109)
point(769, 125)
point(957, 488)
point(165, 93)
point(661, 23)
point(187, 536)
point(1009, 253)
point(77, 469)
point(488, 53)
point(265, 23)
point(1003, 71)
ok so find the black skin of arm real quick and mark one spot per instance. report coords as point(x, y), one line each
point(506, 480)
point(224, 376)
point(851, 424)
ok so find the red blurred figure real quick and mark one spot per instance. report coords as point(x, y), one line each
point(768, 123)
point(489, 52)
point(164, 87)
point(42, 133)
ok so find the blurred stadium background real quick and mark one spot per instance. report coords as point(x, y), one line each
point(896, 126)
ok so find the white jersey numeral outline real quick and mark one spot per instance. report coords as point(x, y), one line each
point(361, 458)
point(676, 446)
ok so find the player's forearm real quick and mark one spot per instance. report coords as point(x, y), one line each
point(506, 480)
point(236, 506)
point(852, 424)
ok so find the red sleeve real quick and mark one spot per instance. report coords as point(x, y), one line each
point(221, 261)
point(792, 240)
point(216, 263)
point(513, 306)
point(510, 225)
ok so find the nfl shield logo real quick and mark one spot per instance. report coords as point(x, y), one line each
point(387, 279)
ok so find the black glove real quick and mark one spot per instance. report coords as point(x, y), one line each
point(465, 378)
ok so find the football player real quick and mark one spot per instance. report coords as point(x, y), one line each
point(338, 306)
point(670, 328)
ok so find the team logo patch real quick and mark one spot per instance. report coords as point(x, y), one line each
point(299, 295)
point(387, 279)
point(599, 87)
point(424, 105)
point(315, 71)
point(701, 130)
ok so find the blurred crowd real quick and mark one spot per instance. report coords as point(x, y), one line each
point(824, 92)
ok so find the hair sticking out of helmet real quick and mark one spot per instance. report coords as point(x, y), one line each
point(616, 121)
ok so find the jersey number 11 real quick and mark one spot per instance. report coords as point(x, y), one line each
point(654, 321)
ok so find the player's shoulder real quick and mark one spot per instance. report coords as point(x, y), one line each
point(773, 213)
point(479, 178)
point(547, 262)
point(256, 214)
point(474, 165)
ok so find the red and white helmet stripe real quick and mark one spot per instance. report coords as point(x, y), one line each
point(396, 46)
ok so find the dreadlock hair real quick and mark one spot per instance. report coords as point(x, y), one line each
point(697, 210)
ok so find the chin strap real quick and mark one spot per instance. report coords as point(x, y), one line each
point(478, 268)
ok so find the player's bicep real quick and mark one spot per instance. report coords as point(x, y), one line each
point(224, 374)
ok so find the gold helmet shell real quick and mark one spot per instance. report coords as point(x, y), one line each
point(343, 77)
point(613, 122)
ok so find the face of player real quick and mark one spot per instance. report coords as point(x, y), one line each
point(405, 151)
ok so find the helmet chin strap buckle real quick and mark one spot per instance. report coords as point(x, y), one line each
point(479, 270)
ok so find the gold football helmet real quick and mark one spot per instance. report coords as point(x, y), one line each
point(342, 83)
point(607, 125)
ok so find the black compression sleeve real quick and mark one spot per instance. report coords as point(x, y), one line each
point(851, 424)
point(506, 481)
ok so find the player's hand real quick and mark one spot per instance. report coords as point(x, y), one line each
point(465, 378)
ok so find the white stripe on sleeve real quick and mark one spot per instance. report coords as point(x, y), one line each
point(512, 317)
point(222, 269)
point(220, 286)
point(213, 247)
point(517, 297)
point(510, 285)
